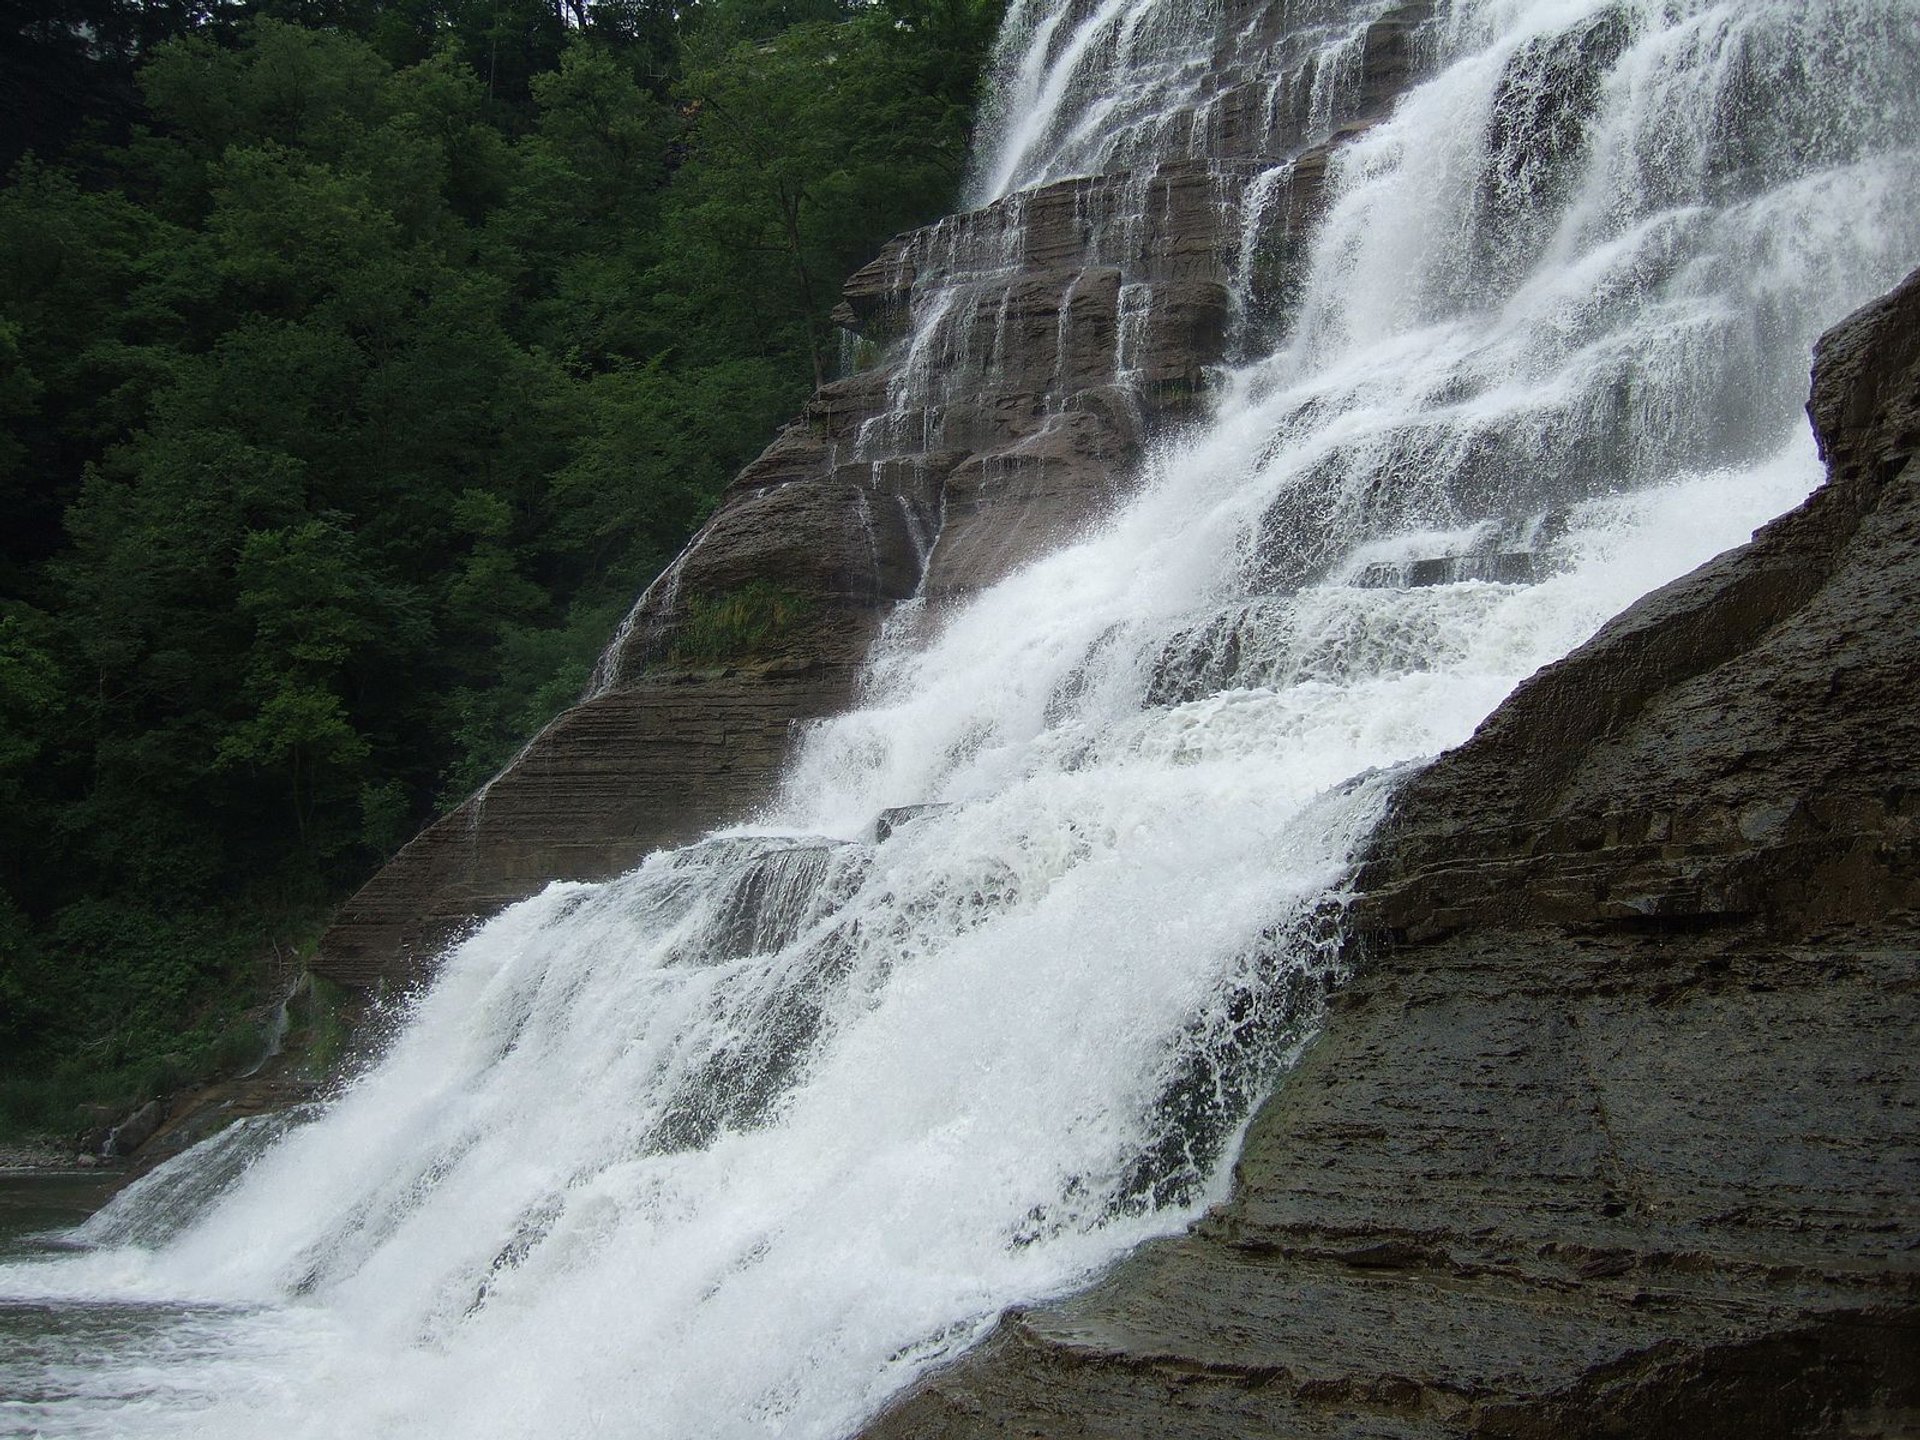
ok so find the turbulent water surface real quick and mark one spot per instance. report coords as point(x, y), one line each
point(741, 1142)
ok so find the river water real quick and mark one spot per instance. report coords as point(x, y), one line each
point(740, 1143)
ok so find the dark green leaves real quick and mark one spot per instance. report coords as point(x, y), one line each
point(348, 394)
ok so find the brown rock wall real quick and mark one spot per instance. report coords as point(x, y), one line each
point(624, 774)
point(1057, 331)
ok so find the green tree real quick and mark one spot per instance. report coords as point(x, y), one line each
point(356, 369)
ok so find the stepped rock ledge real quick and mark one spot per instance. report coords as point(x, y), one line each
point(1073, 325)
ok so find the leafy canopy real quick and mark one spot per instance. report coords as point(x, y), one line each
point(359, 360)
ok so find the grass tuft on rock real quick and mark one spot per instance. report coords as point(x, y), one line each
point(740, 625)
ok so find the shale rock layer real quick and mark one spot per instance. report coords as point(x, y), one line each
point(1027, 351)
point(1618, 1130)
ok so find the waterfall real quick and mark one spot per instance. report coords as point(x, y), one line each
point(743, 1141)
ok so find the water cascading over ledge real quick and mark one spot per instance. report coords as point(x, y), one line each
point(1035, 348)
point(1615, 1133)
point(756, 1135)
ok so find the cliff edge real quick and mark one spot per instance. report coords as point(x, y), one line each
point(1617, 1132)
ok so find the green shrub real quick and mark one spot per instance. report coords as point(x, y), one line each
point(327, 1031)
point(738, 625)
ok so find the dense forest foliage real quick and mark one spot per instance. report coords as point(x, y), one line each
point(360, 360)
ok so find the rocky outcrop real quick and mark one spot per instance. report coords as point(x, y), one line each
point(625, 773)
point(1617, 1132)
point(1031, 349)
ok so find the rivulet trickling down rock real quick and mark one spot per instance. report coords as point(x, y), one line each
point(1618, 1130)
point(1031, 349)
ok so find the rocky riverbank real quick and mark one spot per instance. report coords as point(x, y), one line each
point(34, 1156)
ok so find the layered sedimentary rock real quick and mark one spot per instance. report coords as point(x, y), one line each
point(1617, 1131)
point(1030, 349)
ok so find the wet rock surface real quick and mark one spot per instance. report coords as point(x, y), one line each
point(1618, 1130)
point(1029, 352)
point(626, 773)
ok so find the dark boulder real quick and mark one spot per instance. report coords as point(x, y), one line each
point(134, 1131)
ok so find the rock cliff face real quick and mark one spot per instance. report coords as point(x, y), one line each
point(1032, 348)
point(1618, 1130)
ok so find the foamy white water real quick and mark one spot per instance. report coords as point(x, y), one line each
point(740, 1143)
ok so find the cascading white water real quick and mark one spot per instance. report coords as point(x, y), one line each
point(1109, 87)
point(740, 1143)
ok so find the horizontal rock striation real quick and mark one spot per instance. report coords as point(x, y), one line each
point(1031, 348)
point(608, 781)
point(1618, 1130)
